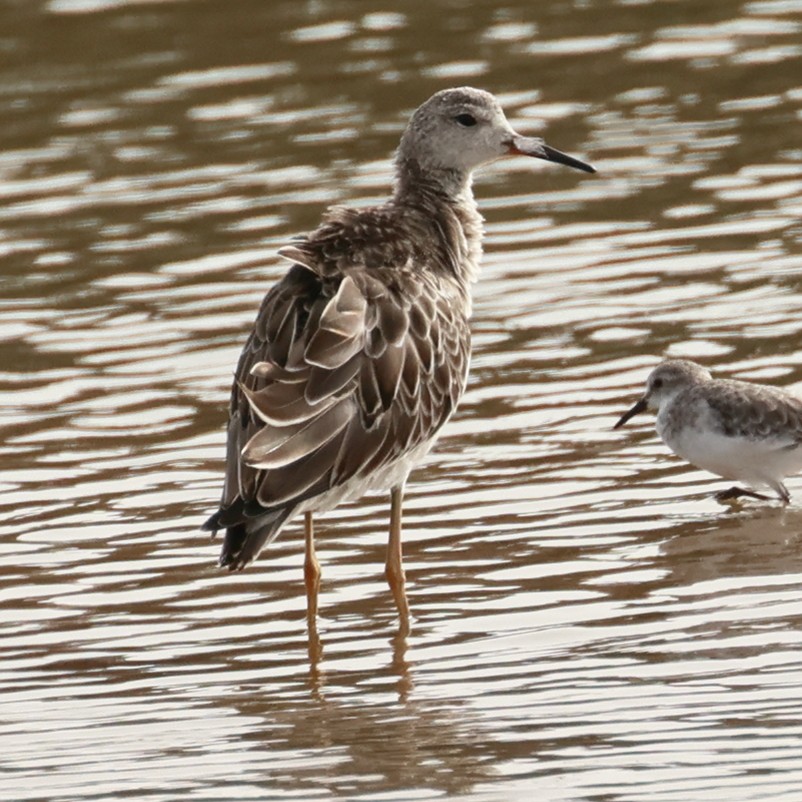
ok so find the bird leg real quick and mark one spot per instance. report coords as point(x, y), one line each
point(736, 492)
point(782, 491)
point(311, 569)
point(394, 569)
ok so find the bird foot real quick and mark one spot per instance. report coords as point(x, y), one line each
point(735, 492)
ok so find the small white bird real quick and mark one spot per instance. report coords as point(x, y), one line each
point(739, 430)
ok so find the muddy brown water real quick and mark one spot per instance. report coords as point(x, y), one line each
point(589, 624)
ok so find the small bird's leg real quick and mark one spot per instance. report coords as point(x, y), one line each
point(782, 491)
point(311, 569)
point(736, 492)
point(394, 569)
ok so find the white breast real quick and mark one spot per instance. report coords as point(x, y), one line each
point(756, 461)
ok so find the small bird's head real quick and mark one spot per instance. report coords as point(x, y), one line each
point(664, 382)
point(458, 130)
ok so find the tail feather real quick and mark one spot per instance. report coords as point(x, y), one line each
point(224, 517)
point(244, 540)
point(212, 524)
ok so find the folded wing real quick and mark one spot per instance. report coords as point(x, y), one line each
point(776, 421)
point(341, 376)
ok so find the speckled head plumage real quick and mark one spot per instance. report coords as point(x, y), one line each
point(670, 378)
point(664, 382)
point(457, 130)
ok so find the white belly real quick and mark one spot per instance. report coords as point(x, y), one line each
point(388, 477)
point(754, 461)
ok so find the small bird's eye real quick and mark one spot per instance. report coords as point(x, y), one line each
point(466, 120)
point(657, 384)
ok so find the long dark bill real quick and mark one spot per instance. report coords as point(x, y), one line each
point(529, 146)
point(641, 406)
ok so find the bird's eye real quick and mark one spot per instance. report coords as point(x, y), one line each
point(465, 120)
point(657, 384)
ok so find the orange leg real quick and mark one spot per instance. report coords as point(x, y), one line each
point(394, 570)
point(311, 569)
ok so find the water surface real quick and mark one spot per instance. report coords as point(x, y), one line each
point(589, 624)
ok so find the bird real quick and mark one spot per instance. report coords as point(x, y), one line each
point(359, 354)
point(742, 431)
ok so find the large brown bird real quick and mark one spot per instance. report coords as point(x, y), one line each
point(360, 354)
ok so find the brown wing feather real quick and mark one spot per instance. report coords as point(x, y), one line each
point(340, 384)
point(358, 355)
point(779, 415)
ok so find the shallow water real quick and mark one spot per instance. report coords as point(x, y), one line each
point(589, 624)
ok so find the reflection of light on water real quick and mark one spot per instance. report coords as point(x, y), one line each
point(585, 615)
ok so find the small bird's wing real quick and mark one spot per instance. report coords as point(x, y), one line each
point(345, 372)
point(767, 414)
